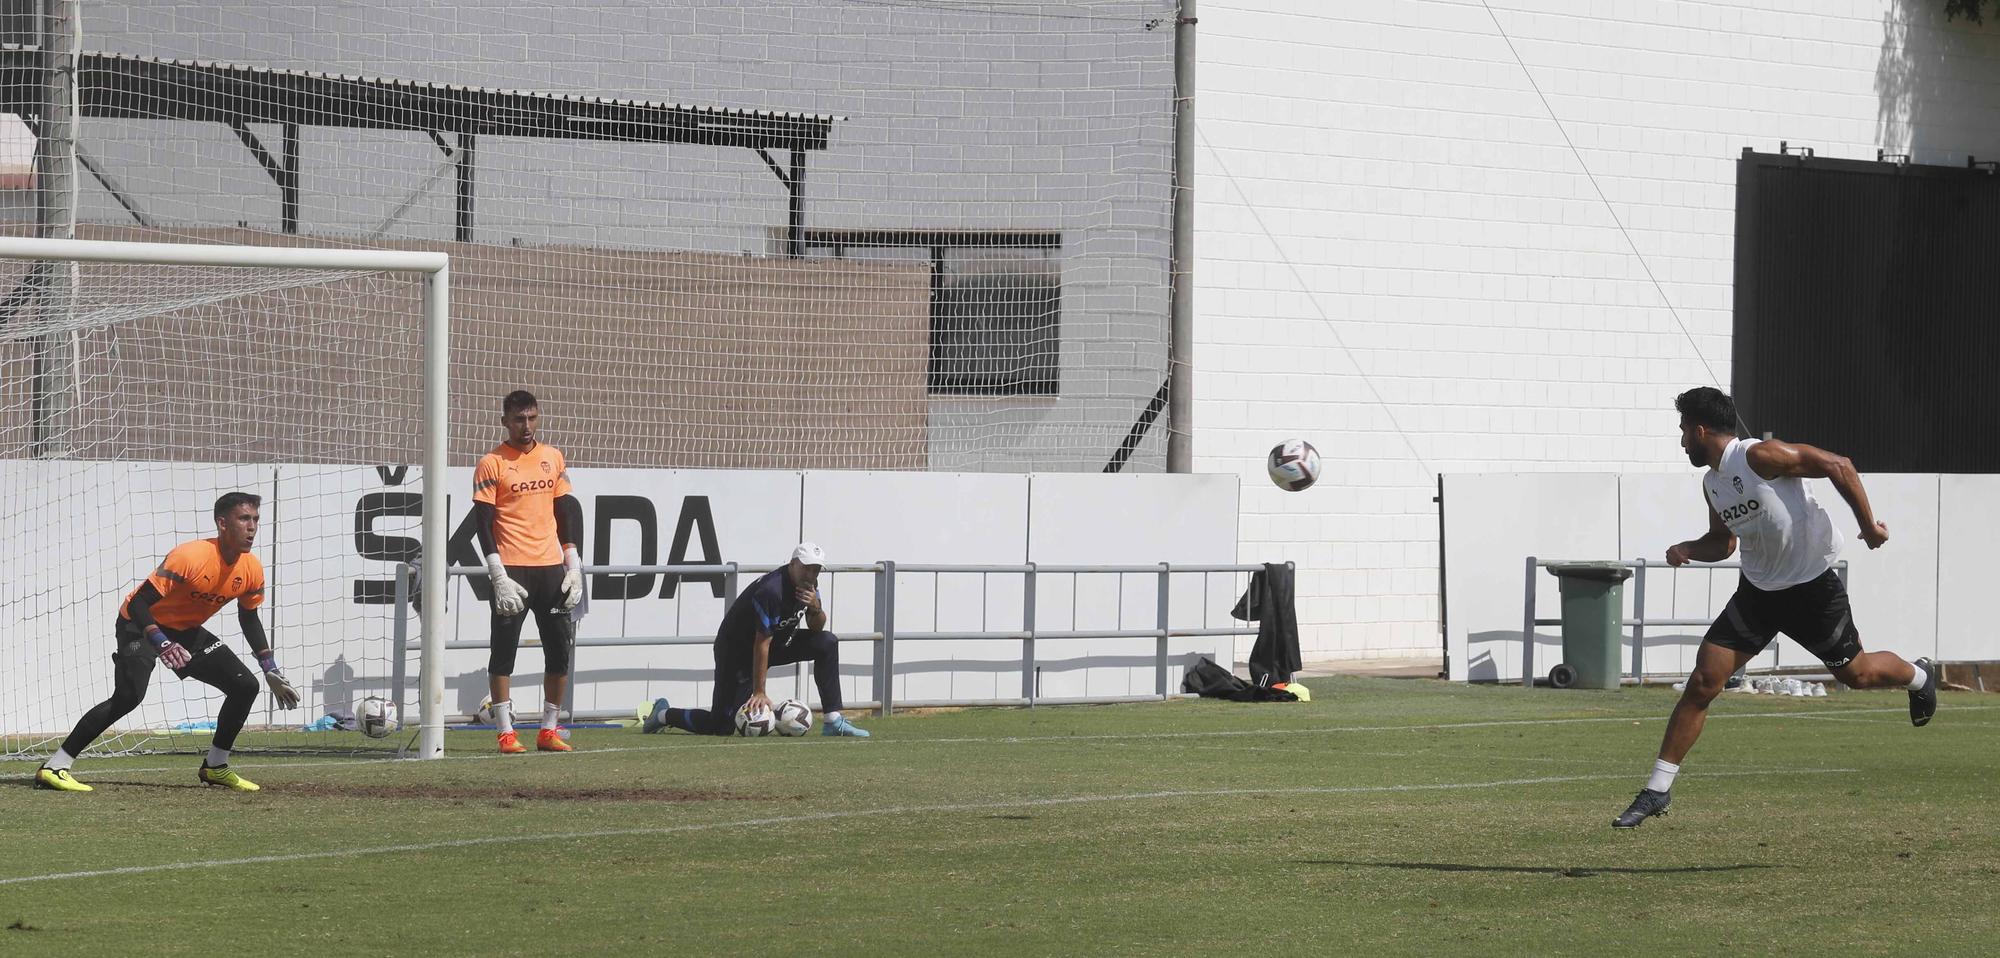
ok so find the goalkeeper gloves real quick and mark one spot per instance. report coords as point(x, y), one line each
point(572, 580)
point(281, 690)
point(508, 596)
point(174, 654)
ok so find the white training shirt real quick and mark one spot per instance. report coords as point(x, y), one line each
point(1786, 536)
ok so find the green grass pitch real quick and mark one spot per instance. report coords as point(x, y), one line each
point(1383, 818)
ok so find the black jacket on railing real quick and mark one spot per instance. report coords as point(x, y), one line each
point(1268, 602)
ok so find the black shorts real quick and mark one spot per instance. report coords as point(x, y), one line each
point(543, 584)
point(1814, 614)
point(200, 643)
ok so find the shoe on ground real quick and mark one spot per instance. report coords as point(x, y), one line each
point(551, 740)
point(1923, 702)
point(649, 716)
point(223, 776)
point(59, 780)
point(841, 727)
point(510, 743)
point(1648, 804)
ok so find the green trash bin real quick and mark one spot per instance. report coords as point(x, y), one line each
point(1593, 610)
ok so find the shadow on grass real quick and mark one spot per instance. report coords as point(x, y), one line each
point(1565, 871)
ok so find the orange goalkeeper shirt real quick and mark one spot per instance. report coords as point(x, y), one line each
point(194, 584)
point(523, 488)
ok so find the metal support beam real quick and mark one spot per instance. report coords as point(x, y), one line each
point(396, 215)
point(112, 186)
point(97, 172)
point(285, 174)
point(1137, 433)
point(26, 290)
point(257, 150)
point(795, 200)
point(467, 148)
point(288, 187)
point(795, 244)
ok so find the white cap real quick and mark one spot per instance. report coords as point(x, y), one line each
point(809, 554)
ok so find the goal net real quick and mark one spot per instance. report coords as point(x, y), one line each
point(788, 234)
point(132, 396)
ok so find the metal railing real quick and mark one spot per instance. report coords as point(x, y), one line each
point(887, 634)
point(1637, 623)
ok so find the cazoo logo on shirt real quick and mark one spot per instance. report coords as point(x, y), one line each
point(1734, 513)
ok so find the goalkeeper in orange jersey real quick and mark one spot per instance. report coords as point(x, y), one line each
point(529, 528)
point(162, 619)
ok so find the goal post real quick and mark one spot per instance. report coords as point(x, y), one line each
point(111, 353)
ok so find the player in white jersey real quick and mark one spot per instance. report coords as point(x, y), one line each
point(1757, 496)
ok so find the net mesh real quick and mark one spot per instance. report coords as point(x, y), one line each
point(930, 235)
point(134, 396)
point(785, 234)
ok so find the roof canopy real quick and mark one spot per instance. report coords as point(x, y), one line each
point(136, 87)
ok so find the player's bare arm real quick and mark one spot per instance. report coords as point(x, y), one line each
point(808, 595)
point(1773, 459)
point(1715, 545)
point(760, 665)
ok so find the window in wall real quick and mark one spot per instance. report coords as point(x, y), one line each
point(996, 303)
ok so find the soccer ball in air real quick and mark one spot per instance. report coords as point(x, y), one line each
point(754, 724)
point(794, 719)
point(377, 717)
point(1293, 464)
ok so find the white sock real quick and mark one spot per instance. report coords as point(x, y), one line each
point(829, 717)
point(1918, 681)
point(551, 716)
point(1663, 775)
point(503, 716)
point(59, 761)
point(217, 757)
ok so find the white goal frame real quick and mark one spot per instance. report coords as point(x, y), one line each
point(435, 271)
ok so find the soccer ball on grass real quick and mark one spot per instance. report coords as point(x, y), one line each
point(377, 717)
point(755, 724)
point(794, 718)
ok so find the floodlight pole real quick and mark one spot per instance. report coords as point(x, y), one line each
point(60, 33)
point(1180, 336)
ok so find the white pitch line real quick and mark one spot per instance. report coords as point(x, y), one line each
point(1339, 729)
point(1893, 722)
point(900, 810)
point(704, 742)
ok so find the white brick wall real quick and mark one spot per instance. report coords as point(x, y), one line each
point(1383, 175)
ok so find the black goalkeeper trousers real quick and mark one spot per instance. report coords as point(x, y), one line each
point(733, 683)
point(214, 664)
